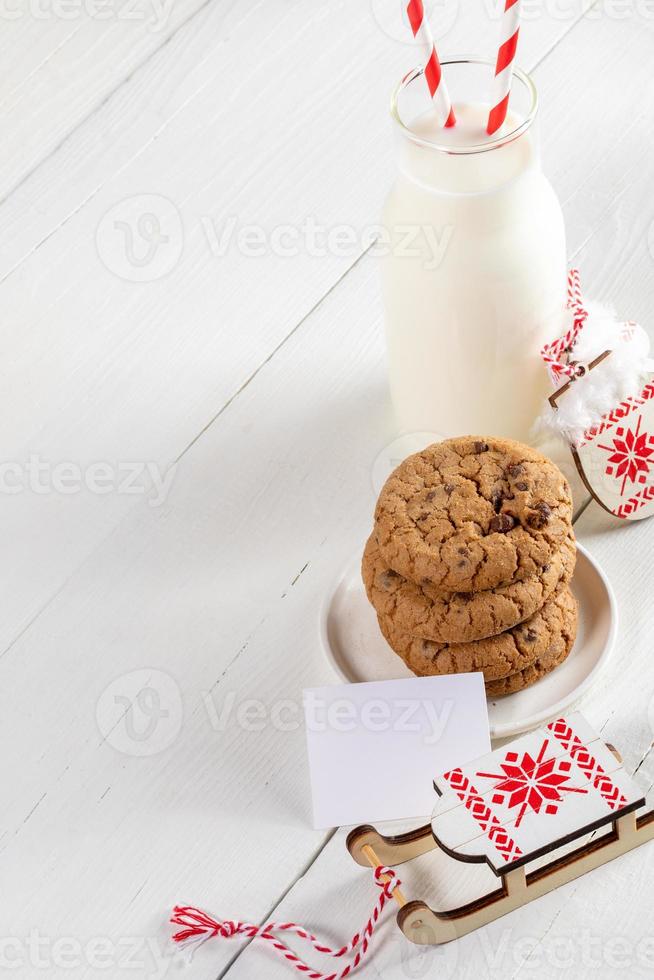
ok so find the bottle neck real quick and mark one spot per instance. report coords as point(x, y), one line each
point(458, 170)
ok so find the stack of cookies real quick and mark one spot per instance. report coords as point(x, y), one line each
point(470, 559)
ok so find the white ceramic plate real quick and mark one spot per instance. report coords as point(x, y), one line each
point(352, 641)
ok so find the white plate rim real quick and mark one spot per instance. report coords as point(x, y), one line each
point(534, 720)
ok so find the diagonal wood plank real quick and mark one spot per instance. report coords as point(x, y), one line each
point(63, 60)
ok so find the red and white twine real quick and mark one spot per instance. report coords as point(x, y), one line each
point(433, 73)
point(197, 927)
point(510, 29)
point(556, 354)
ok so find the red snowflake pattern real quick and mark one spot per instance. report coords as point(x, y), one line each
point(530, 783)
point(630, 455)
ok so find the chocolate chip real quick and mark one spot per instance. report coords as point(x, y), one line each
point(449, 488)
point(515, 470)
point(540, 516)
point(461, 564)
point(481, 447)
point(466, 596)
point(546, 567)
point(530, 636)
point(431, 495)
point(502, 523)
point(388, 578)
point(522, 485)
point(496, 499)
point(424, 515)
point(462, 551)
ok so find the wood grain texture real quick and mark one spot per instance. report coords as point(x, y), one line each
point(63, 60)
point(265, 378)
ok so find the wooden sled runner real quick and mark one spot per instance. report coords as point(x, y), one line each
point(526, 799)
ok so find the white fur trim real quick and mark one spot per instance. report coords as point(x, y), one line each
point(623, 373)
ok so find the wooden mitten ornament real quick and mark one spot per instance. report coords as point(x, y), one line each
point(615, 458)
point(614, 450)
point(526, 799)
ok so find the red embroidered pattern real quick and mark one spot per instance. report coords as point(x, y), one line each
point(481, 812)
point(587, 763)
point(638, 500)
point(619, 413)
point(630, 455)
point(531, 783)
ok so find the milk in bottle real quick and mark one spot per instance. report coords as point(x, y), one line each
point(474, 281)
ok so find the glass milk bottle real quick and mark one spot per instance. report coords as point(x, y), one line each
point(474, 278)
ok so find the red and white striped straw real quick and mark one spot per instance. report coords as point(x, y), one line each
point(433, 74)
point(504, 65)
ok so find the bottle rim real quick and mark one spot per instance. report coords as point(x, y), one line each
point(521, 76)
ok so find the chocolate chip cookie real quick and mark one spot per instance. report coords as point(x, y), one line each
point(472, 514)
point(528, 676)
point(460, 617)
point(545, 638)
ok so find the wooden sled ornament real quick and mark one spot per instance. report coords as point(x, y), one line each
point(526, 799)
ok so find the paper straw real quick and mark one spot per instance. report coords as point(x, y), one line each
point(433, 75)
point(504, 65)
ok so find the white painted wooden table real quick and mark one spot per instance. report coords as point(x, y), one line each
point(254, 386)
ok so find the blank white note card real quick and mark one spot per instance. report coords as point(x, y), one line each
point(375, 748)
